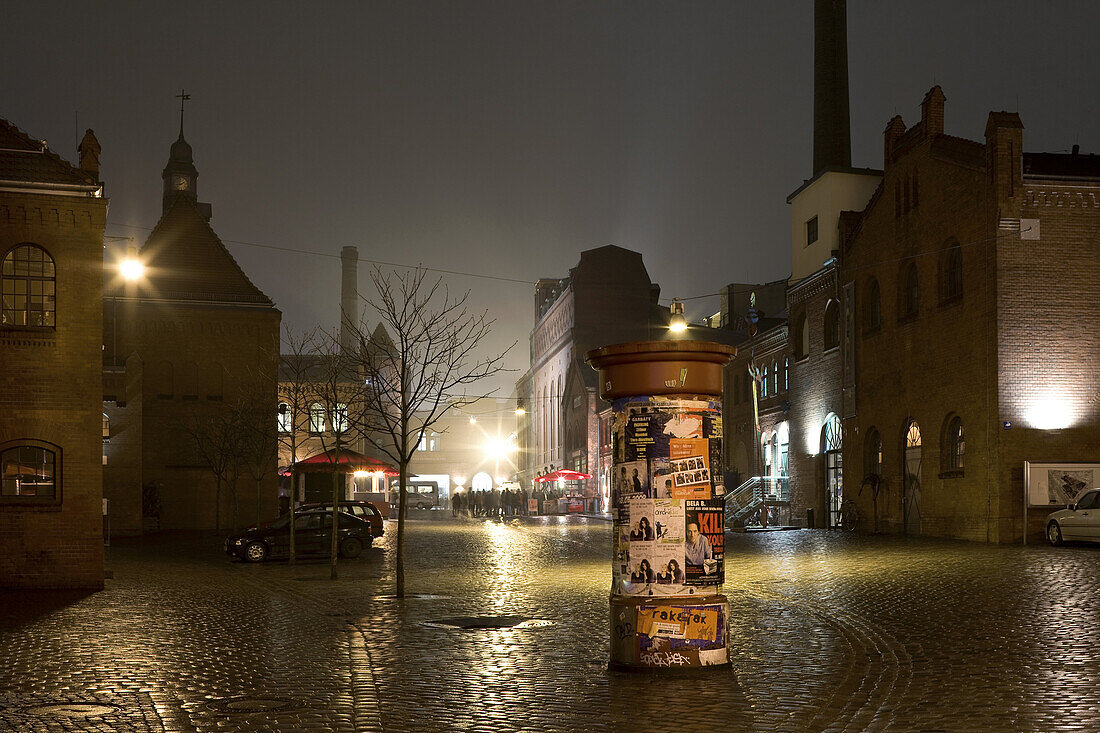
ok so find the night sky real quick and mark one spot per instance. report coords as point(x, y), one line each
point(505, 137)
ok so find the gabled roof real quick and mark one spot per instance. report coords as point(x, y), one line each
point(185, 260)
point(27, 160)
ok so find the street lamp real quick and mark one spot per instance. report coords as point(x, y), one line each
point(677, 323)
point(520, 411)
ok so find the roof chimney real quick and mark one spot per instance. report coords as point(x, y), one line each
point(832, 138)
point(349, 298)
point(931, 111)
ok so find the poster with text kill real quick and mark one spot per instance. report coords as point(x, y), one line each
point(704, 542)
point(689, 459)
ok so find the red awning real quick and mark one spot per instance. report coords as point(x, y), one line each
point(349, 462)
point(563, 474)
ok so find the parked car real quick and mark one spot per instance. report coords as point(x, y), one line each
point(1078, 521)
point(312, 536)
point(364, 510)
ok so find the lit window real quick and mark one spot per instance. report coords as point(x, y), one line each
point(285, 418)
point(340, 418)
point(764, 383)
point(316, 418)
point(786, 373)
point(28, 288)
point(955, 444)
point(106, 428)
point(775, 377)
point(28, 473)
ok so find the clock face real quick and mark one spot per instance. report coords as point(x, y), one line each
point(180, 182)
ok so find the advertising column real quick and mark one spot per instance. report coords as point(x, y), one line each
point(667, 503)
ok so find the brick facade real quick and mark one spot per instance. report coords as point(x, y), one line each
point(50, 376)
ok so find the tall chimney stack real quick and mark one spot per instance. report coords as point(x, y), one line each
point(832, 138)
point(349, 298)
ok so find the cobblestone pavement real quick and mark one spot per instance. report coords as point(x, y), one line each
point(829, 632)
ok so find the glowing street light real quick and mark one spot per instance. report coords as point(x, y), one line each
point(521, 411)
point(676, 323)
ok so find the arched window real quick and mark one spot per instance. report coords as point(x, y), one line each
point(767, 453)
point(954, 444)
point(786, 373)
point(285, 418)
point(909, 295)
point(832, 325)
point(215, 381)
point(764, 383)
point(873, 456)
point(872, 307)
point(951, 277)
point(832, 448)
point(317, 418)
point(30, 473)
point(801, 338)
point(189, 381)
point(106, 428)
point(775, 377)
point(161, 376)
point(784, 449)
point(29, 288)
point(482, 482)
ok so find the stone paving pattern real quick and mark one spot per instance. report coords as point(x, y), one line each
point(829, 632)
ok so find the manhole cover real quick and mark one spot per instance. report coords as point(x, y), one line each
point(247, 704)
point(71, 709)
point(473, 623)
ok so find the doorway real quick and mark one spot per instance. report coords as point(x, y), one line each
point(911, 479)
point(832, 447)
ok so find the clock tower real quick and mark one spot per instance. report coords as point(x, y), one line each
point(180, 176)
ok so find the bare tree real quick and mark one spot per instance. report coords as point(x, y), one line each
point(216, 438)
point(424, 357)
point(259, 440)
point(336, 385)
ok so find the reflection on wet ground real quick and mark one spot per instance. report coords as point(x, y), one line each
point(828, 632)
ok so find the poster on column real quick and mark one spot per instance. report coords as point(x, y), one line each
point(689, 459)
point(704, 542)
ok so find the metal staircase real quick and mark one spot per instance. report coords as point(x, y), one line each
point(758, 491)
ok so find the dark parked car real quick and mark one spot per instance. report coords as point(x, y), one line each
point(362, 509)
point(312, 536)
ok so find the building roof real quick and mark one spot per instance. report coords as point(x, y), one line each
point(185, 260)
point(27, 160)
point(1062, 165)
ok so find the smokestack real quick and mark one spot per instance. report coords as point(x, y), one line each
point(349, 298)
point(832, 138)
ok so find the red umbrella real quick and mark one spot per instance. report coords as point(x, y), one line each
point(563, 474)
point(349, 462)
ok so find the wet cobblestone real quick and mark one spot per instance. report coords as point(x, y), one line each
point(829, 632)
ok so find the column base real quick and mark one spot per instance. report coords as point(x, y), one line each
point(669, 634)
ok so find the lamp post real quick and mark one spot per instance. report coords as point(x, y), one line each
point(668, 503)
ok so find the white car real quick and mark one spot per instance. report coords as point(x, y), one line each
point(1079, 521)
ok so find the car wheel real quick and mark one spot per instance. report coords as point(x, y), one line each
point(255, 552)
point(1054, 534)
point(350, 547)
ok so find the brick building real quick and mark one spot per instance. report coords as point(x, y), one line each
point(607, 298)
point(52, 216)
point(974, 268)
point(185, 346)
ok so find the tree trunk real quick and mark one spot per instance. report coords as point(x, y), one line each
point(403, 473)
point(335, 515)
point(217, 505)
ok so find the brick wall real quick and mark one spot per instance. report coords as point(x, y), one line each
point(50, 387)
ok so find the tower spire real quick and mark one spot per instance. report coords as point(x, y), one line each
point(832, 137)
point(183, 96)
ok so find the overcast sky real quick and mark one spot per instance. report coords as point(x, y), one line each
point(506, 137)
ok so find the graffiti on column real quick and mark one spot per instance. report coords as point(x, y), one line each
point(667, 496)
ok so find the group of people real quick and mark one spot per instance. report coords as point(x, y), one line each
point(490, 503)
point(644, 574)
